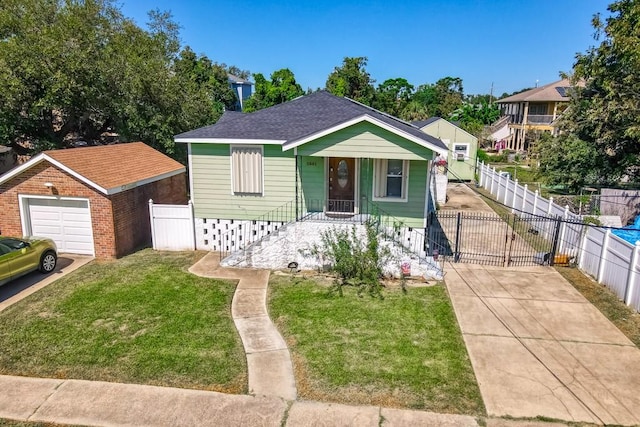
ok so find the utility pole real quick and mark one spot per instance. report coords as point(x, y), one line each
point(491, 94)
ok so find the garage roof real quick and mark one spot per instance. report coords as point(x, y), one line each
point(110, 169)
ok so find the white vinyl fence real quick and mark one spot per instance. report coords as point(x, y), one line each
point(172, 227)
point(611, 260)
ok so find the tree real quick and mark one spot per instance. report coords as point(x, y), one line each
point(442, 98)
point(392, 96)
point(79, 70)
point(282, 88)
point(473, 117)
point(605, 113)
point(352, 80)
point(569, 161)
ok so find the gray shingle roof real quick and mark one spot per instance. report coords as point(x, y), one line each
point(423, 123)
point(297, 119)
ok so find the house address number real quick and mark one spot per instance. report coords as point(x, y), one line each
point(311, 164)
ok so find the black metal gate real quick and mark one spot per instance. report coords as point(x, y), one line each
point(486, 238)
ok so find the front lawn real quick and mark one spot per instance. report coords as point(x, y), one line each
point(140, 319)
point(403, 351)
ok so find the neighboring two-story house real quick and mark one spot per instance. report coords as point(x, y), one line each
point(242, 89)
point(527, 112)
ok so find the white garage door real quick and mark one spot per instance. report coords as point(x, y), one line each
point(67, 222)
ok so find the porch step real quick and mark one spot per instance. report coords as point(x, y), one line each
point(295, 242)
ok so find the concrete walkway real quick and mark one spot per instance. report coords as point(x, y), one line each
point(269, 364)
point(539, 348)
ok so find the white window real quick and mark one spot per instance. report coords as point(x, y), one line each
point(390, 180)
point(246, 169)
point(461, 152)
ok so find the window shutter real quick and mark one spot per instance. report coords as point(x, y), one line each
point(380, 172)
point(246, 173)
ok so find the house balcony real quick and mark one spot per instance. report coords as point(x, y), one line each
point(539, 119)
point(532, 119)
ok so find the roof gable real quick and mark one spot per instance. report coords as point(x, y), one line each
point(109, 169)
point(300, 119)
point(557, 91)
point(433, 121)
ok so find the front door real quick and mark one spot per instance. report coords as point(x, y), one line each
point(341, 185)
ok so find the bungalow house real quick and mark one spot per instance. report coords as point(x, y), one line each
point(318, 155)
point(531, 111)
point(462, 147)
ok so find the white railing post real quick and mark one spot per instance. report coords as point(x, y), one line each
point(525, 193)
point(515, 194)
point(506, 190)
point(630, 290)
point(603, 255)
point(192, 223)
point(583, 247)
point(550, 206)
point(535, 203)
point(153, 227)
point(563, 228)
point(481, 174)
point(493, 178)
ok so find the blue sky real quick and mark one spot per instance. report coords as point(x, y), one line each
point(510, 43)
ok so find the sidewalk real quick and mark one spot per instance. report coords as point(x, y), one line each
point(96, 403)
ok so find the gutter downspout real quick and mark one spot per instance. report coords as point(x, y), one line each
point(295, 153)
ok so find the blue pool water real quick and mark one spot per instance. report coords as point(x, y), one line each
point(630, 233)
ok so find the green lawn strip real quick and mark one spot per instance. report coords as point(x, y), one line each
point(404, 351)
point(140, 319)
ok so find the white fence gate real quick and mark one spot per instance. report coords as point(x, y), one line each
point(609, 259)
point(172, 227)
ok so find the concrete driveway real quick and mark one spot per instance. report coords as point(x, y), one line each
point(539, 348)
point(16, 290)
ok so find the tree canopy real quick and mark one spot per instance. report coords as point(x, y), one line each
point(282, 88)
point(80, 70)
point(352, 80)
point(392, 96)
point(604, 115)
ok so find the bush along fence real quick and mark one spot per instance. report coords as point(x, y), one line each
point(612, 261)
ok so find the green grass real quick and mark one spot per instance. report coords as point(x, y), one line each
point(403, 351)
point(140, 319)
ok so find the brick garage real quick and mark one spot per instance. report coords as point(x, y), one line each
point(91, 200)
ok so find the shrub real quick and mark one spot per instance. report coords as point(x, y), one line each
point(356, 261)
point(483, 156)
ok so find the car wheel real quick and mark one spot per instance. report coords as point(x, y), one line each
point(48, 262)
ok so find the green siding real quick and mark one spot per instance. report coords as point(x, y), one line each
point(365, 140)
point(211, 172)
point(411, 212)
point(312, 182)
point(458, 170)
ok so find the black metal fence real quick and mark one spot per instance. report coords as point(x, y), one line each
point(486, 238)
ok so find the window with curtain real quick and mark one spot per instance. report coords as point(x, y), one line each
point(390, 179)
point(246, 169)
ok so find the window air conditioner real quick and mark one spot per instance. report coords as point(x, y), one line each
point(460, 157)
